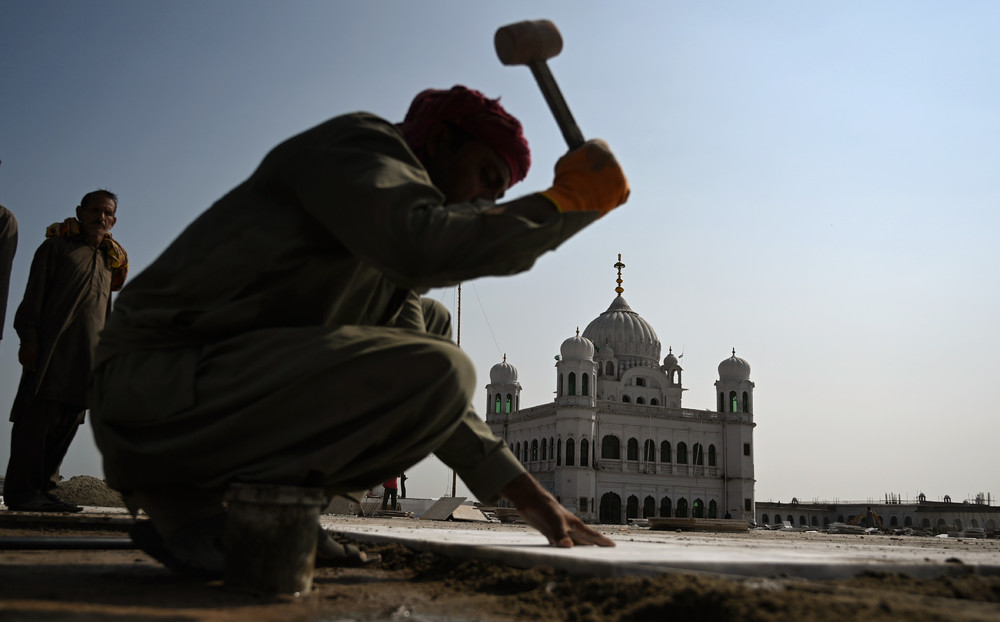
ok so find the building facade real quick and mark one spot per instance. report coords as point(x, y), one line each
point(616, 442)
point(920, 515)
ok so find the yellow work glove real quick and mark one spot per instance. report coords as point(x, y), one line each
point(588, 179)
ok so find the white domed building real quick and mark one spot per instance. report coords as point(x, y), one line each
point(616, 442)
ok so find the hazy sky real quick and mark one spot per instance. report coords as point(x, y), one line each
point(814, 184)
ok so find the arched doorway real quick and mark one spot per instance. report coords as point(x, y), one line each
point(698, 509)
point(682, 508)
point(611, 509)
point(632, 507)
point(649, 507)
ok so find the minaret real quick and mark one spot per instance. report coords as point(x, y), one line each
point(503, 393)
point(735, 405)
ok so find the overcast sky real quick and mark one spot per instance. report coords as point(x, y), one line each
point(813, 184)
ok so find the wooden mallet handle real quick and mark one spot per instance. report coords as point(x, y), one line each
point(531, 43)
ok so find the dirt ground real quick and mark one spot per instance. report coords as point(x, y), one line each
point(119, 585)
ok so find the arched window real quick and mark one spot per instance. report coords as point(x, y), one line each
point(572, 383)
point(517, 452)
point(698, 455)
point(682, 453)
point(570, 450)
point(814, 521)
point(763, 519)
point(665, 507)
point(711, 455)
point(510, 402)
point(649, 451)
point(496, 404)
point(559, 454)
point(625, 399)
point(632, 450)
point(640, 382)
point(584, 453)
point(545, 447)
point(585, 385)
point(552, 448)
point(610, 369)
point(654, 402)
point(665, 451)
point(746, 402)
point(649, 507)
point(559, 385)
point(733, 406)
point(698, 509)
point(713, 509)
point(610, 448)
point(534, 450)
point(640, 400)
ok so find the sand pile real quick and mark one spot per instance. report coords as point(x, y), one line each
point(87, 490)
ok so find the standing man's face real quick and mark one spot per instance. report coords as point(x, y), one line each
point(469, 172)
point(96, 218)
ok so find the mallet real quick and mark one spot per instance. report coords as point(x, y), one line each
point(531, 43)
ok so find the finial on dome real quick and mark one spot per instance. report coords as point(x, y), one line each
point(734, 351)
point(670, 350)
point(577, 331)
point(619, 290)
point(504, 357)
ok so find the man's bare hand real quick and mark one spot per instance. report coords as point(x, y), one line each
point(540, 509)
point(27, 356)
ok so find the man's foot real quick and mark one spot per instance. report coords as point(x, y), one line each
point(41, 502)
point(332, 554)
point(194, 550)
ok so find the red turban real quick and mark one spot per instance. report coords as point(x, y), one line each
point(475, 114)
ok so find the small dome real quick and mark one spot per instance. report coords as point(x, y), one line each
point(605, 352)
point(577, 348)
point(503, 373)
point(734, 368)
point(670, 361)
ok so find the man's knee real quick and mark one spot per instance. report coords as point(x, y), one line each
point(437, 318)
point(454, 370)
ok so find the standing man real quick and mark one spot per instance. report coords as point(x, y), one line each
point(8, 246)
point(66, 302)
point(389, 491)
point(282, 338)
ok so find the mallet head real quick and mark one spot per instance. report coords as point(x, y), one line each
point(522, 43)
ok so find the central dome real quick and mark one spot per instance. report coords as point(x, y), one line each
point(631, 337)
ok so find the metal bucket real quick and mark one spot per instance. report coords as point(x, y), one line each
point(270, 538)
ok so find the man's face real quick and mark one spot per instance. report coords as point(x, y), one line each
point(469, 172)
point(96, 217)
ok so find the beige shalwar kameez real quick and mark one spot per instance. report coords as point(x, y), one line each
point(281, 338)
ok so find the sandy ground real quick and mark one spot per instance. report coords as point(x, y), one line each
point(83, 585)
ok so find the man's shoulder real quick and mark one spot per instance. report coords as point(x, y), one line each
point(61, 244)
point(353, 126)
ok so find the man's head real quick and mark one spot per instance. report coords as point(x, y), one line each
point(96, 213)
point(471, 147)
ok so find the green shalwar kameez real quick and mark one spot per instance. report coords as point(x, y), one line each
point(66, 302)
point(281, 338)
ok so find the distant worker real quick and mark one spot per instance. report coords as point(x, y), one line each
point(289, 316)
point(402, 485)
point(389, 490)
point(66, 302)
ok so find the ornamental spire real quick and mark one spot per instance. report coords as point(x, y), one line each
point(619, 290)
